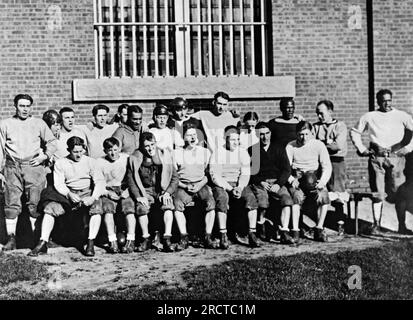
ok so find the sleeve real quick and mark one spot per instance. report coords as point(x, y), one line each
point(119, 136)
point(48, 139)
point(98, 179)
point(285, 168)
point(289, 151)
point(59, 178)
point(409, 126)
point(325, 162)
point(173, 185)
point(340, 142)
point(215, 170)
point(357, 131)
point(2, 145)
point(130, 173)
point(244, 178)
point(100, 166)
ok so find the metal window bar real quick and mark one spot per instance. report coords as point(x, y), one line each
point(99, 25)
point(111, 40)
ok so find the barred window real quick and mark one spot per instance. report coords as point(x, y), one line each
point(166, 38)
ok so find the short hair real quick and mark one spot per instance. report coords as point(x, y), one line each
point(134, 108)
point(231, 129)
point(250, 116)
point(382, 92)
point(327, 103)
point(284, 102)
point(261, 125)
point(110, 142)
point(221, 94)
point(122, 106)
point(98, 107)
point(303, 125)
point(66, 109)
point(22, 96)
point(178, 103)
point(51, 117)
point(160, 109)
point(74, 141)
point(188, 126)
point(146, 136)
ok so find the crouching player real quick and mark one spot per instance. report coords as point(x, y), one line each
point(113, 167)
point(230, 172)
point(78, 185)
point(152, 180)
point(192, 163)
point(307, 156)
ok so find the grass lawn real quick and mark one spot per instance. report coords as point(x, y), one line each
point(387, 273)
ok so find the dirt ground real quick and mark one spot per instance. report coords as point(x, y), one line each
point(72, 271)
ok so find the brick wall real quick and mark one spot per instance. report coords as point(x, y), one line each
point(311, 41)
point(393, 39)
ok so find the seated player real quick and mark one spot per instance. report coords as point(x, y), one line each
point(152, 180)
point(270, 172)
point(192, 162)
point(308, 157)
point(78, 185)
point(113, 167)
point(230, 172)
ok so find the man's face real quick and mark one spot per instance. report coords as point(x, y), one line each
point(190, 137)
point(232, 141)
point(101, 118)
point(68, 120)
point(76, 153)
point(113, 153)
point(23, 109)
point(220, 105)
point(55, 128)
point(323, 114)
point(180, 114)
point(250, 124)
point(161, 121)
point(123, 116)
point(304, 136)
point(385, 103)
point(265, 136)
point(288, 111)
point(135, 120)
point(150, 147)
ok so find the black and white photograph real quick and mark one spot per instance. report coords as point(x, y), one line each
point(206, 156)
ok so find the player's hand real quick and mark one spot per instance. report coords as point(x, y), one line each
point(74, 198)
point(295, 184)
point(143, 201)
point(402, 152)
point(365, 153)
point(237, 192)
point(88, 201)
point(113, 196)
point(2, 181)
point(320, 185)
point(38, 160)
point(275, 188)
point(265, 185)
point(125, 194)
point(166, 199)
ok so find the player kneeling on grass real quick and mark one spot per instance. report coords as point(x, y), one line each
point(152, 181)
point(230, 172)
point(113, 167)
point(191, 162)
point(78, 185)
point(307, 156)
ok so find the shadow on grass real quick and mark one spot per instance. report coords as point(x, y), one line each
point(387, 273)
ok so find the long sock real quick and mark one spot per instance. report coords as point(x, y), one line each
point(252, 219)
point(47, 227)
point(377, 209)
point(11, 225)
point(168, 218)
point(33, 222)
point(94, 225)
